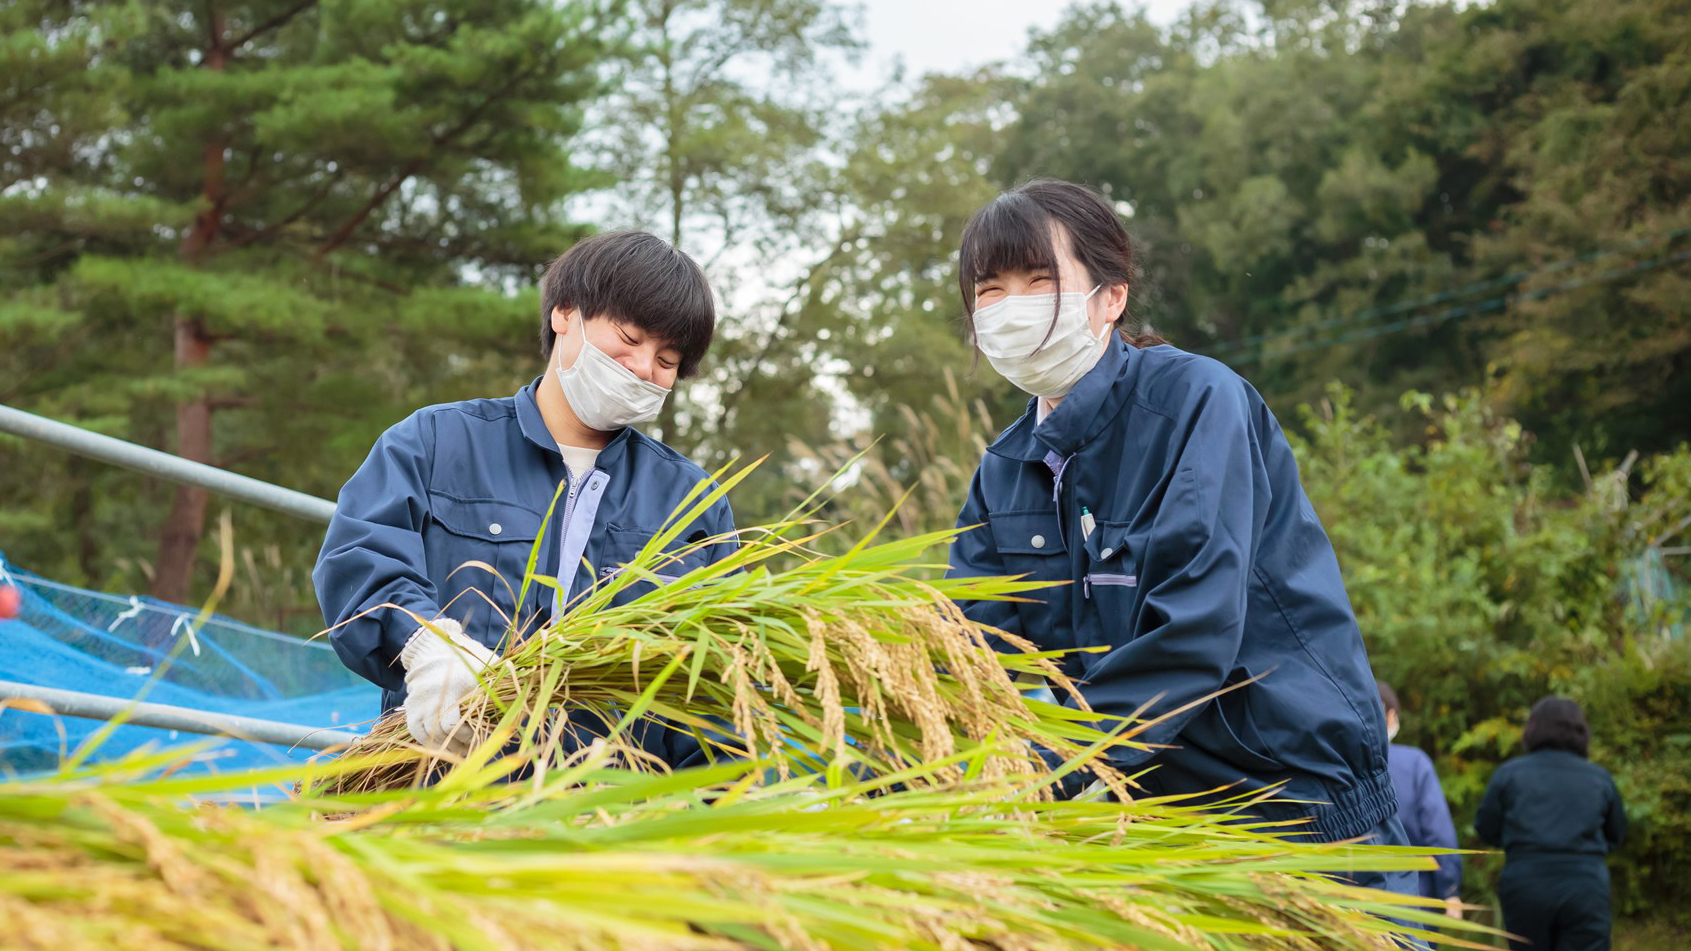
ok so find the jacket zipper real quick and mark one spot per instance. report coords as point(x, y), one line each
point(1108, 580)
point(569, 496)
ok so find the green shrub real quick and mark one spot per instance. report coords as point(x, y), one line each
point(1482, 584)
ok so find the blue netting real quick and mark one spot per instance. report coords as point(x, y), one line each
point(75, 639)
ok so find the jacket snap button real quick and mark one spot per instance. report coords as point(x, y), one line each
point(1106, 553)
point(1038, 541)
point(495, 528)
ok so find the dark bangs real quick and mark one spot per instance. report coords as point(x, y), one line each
point(636, 278)
point(1012, 233)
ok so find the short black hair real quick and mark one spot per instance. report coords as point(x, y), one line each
point(1557, 723)
point(1013, 233)
point(637, 278)
point(1388, 698)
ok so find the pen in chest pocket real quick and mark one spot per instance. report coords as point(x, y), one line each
point(1087, 523)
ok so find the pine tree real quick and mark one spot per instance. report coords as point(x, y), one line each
point(254, 233)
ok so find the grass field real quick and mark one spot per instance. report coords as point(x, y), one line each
point(1651, 934)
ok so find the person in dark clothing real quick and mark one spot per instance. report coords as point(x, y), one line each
point(1156, 491)
point(1422, 808)
point(1555, 815)
point(560, 465)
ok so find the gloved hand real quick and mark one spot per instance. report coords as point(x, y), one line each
point(442, 665)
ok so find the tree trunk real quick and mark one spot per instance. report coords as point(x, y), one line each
point(186, 521)
point(180, 539)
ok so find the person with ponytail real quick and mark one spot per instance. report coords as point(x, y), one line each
point(1191, 579)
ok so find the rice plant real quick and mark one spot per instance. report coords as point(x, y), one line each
point(119, 857)
point(856, 662)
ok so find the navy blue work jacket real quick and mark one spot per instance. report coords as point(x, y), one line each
point(1551, 804)
point(1164, 492)
point(470, 482)
point(1426, 816)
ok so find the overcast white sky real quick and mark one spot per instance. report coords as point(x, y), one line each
point(952, 35)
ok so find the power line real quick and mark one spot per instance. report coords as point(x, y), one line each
point(1365, 316)
point(1454, 313)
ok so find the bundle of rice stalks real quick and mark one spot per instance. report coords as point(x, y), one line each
point(857, 662)
point(595, 858)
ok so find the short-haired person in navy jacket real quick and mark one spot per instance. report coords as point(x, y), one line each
point(1556, 815)
point(623, 316)
point(1159, 487)
point(1422, 808)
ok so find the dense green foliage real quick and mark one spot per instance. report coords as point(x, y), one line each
point(1401, 199)
point(1481, 586)
point(1425, 198)
point(258, 233)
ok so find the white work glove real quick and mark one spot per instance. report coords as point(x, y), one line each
point(442, 666)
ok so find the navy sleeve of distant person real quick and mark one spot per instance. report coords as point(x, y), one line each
point(1426, 817)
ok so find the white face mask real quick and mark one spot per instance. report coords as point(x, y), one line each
point(1010, 333)
point(604, 394)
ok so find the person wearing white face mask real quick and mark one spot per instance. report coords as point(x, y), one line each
point(1044, 342)
point(1155, 492)
point(459, 486)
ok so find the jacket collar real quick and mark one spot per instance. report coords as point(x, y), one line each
point(534, 428)
point(1089, 409)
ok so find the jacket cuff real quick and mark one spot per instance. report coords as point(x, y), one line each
point(430, 640)
point(398, 625)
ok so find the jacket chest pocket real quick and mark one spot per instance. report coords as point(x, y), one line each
point(1111, 579)
point(623, 546)
point(1032, 544)
point(478, 553)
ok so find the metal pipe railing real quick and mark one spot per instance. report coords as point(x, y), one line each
point(164, 465)
point(152, 462)
point(92, 706)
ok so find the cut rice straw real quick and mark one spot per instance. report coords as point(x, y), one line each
point(707, 859)
point(857, 663)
